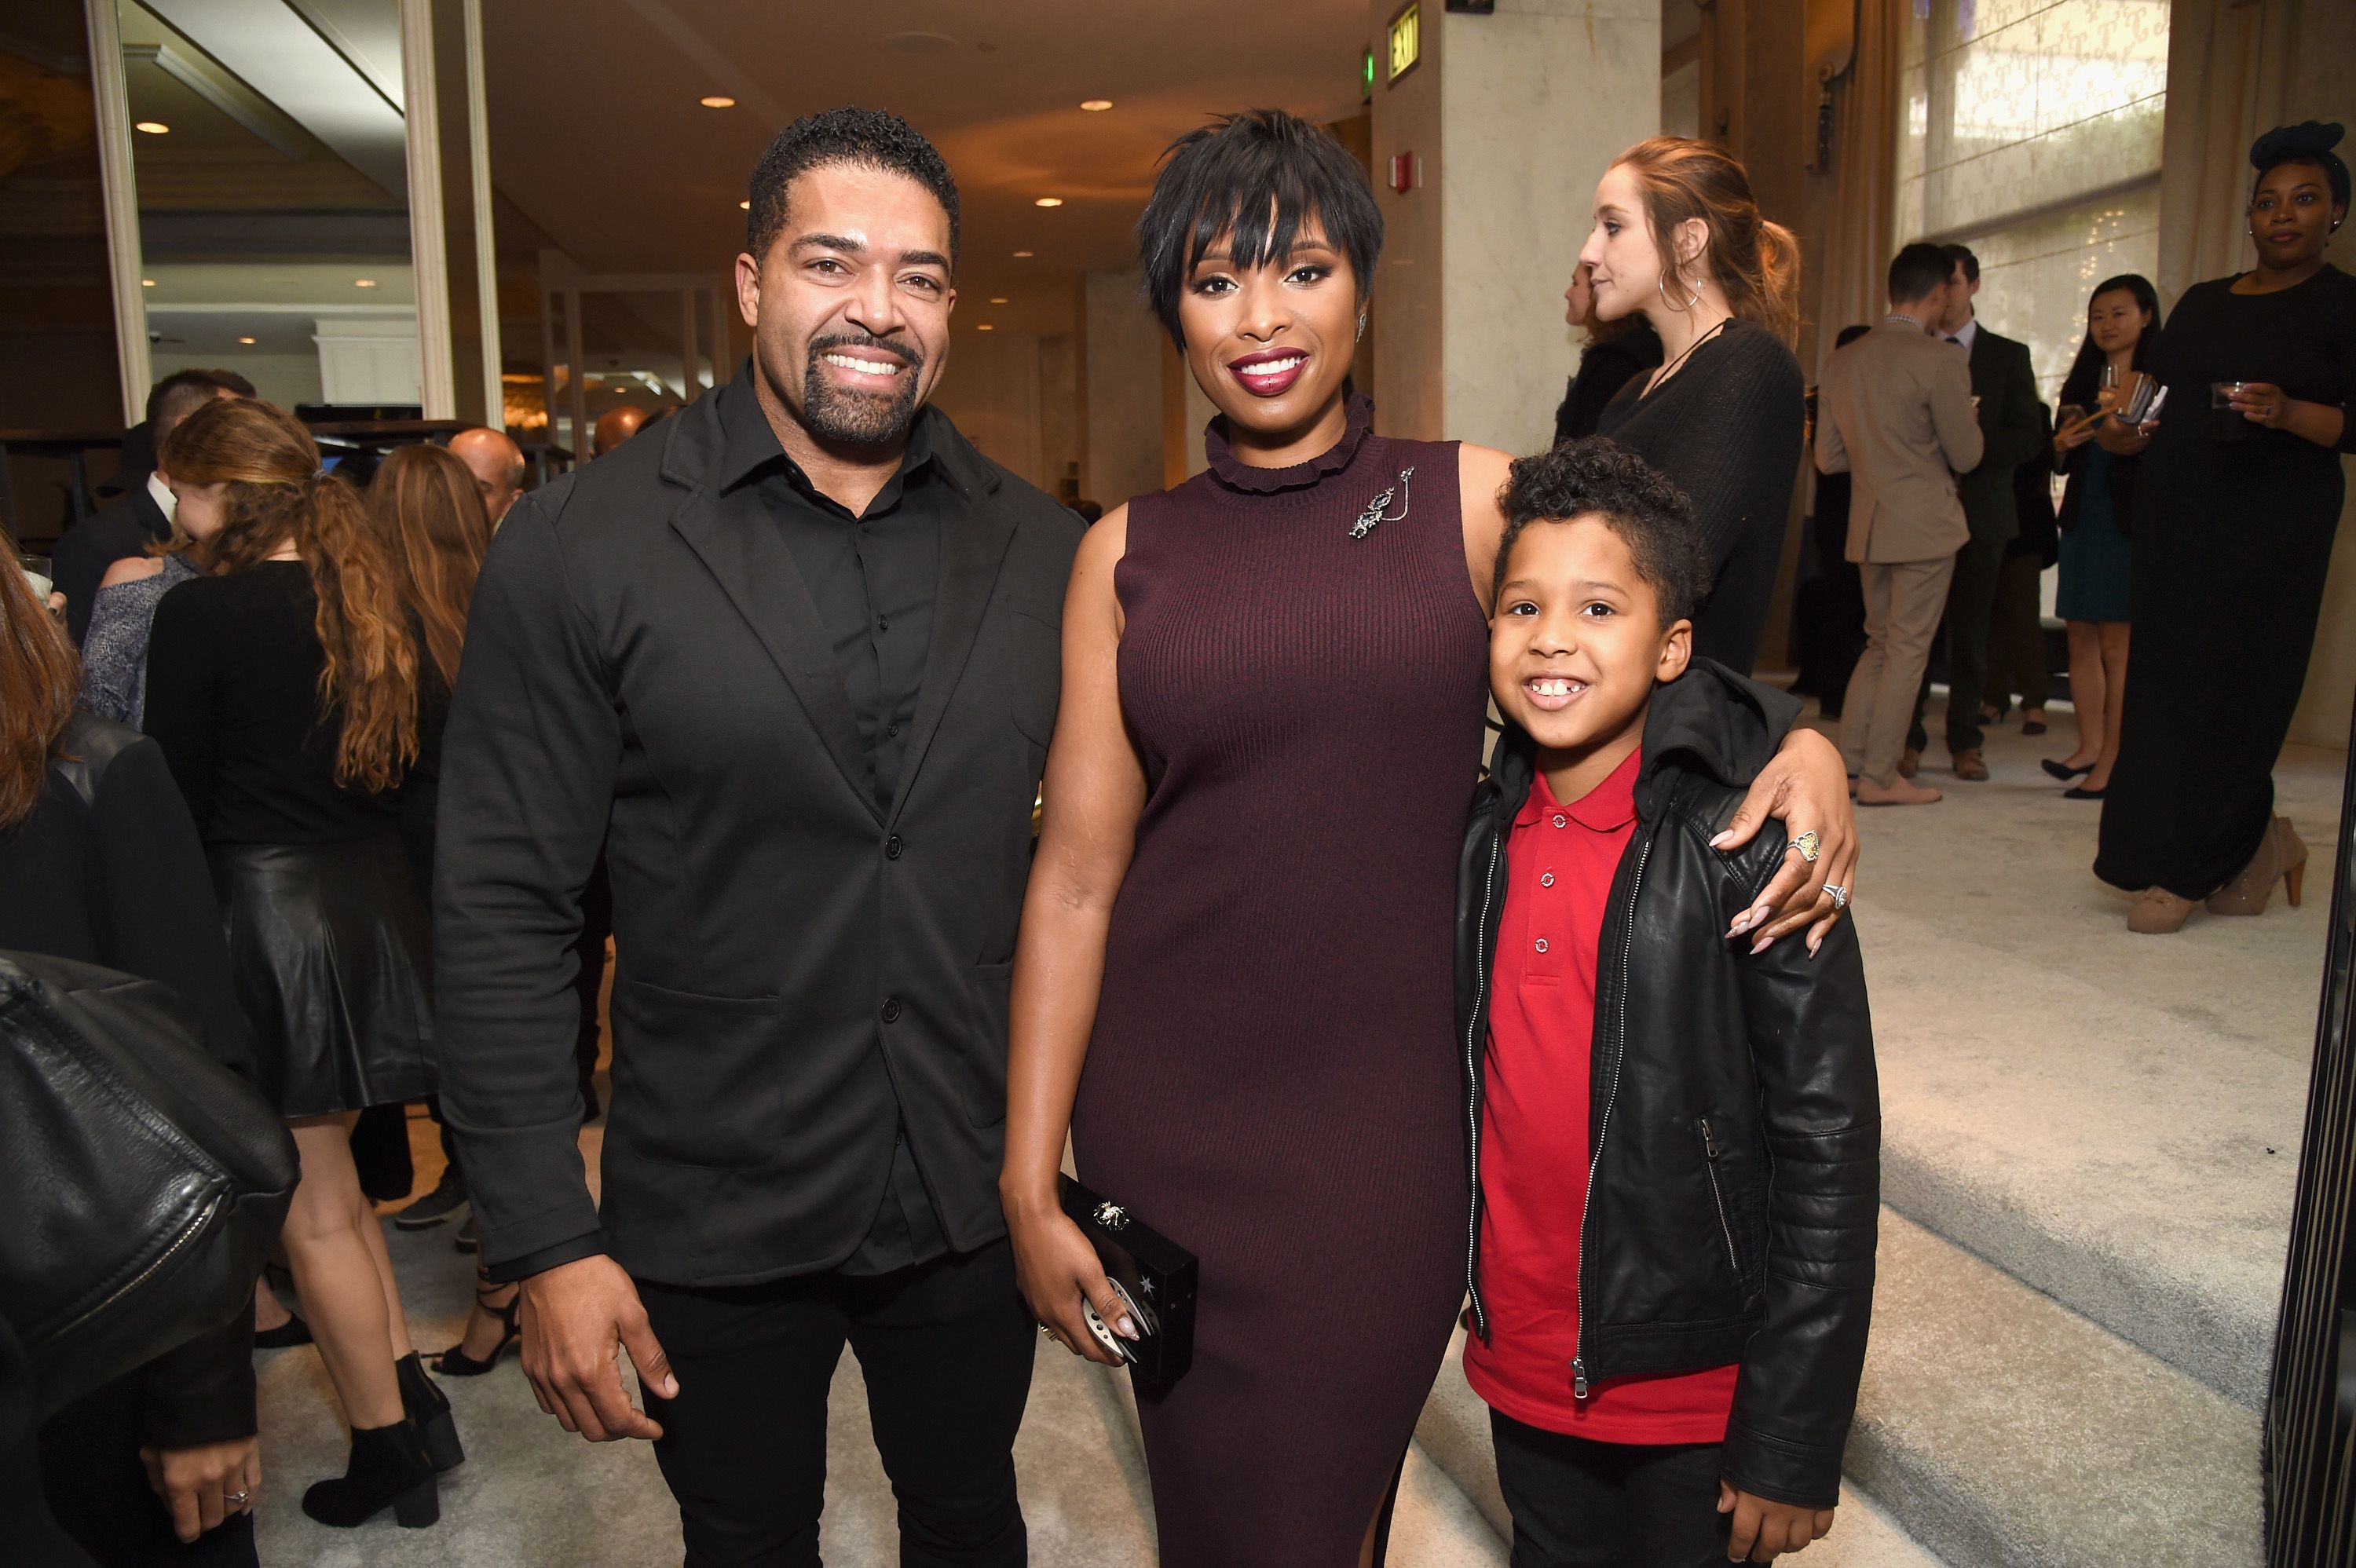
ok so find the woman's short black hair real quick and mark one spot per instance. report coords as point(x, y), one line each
point(1598, 477)
point(870, 138)
point(1256, 177)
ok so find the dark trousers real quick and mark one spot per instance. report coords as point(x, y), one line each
point(2017, 661)
point(1971, 597)
point(945, 1348)
point(1838, 636)
point(1579, 1504)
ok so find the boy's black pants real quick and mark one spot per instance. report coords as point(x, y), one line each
point(946, 1348)
point(1580, 1504)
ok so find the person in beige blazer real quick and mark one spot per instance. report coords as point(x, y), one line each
point(1897, 416)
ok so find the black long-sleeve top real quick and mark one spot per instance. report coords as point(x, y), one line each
point(1603, 369)
point(233, 666)
point(1727, 430)
point(119, 880)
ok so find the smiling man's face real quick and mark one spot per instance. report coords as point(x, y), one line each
point(849, 308)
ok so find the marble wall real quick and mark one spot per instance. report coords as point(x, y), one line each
point(1122, 345)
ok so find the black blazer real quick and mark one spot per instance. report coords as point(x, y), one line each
point(646, 671)
point(2012, 431)
point(95, 543)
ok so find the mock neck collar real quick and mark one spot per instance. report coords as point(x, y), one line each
point(1239, 475)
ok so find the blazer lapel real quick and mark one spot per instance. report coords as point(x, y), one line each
point(756, 572)
point(974, 537)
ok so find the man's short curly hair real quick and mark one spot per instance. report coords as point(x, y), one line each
point(1598, 477)
point(869, 138)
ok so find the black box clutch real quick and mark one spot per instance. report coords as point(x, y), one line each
point(1158, 1276)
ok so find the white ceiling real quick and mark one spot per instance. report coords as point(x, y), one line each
point(596, 132)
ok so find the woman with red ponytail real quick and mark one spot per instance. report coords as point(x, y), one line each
point(285, 687)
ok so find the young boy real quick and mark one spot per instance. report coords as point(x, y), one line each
point(1676, 1139)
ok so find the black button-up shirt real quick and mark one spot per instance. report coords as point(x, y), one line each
point(873, 576)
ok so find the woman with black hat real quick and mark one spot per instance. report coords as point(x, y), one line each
point(2235, 506)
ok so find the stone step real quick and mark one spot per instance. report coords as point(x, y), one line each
point(1455, 1435)
point(2114, 1119)
point(2005, 1431)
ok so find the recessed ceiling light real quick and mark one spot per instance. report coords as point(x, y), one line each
point(146, 283)
point(1023, 255)
point(363, 282)
point(718, 101)
point(997, 299)
point(1049, 201)
point(985, 326)
point(745, 205)
point(1096, 105)
point(247, 341)
point(153, 127)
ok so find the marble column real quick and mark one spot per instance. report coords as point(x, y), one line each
point(1512, 118)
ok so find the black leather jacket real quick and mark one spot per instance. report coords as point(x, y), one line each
point(1735, 1127)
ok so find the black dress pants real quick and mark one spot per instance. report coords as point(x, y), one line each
point(1580, 1504)
point(945, 1348)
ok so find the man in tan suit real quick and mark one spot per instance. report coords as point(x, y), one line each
point(1896, 415)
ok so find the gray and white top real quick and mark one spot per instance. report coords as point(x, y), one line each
point(114, 650)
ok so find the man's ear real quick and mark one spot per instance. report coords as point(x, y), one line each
point(1676, 652)
point(748, 288)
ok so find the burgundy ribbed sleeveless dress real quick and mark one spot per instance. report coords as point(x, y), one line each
point(1273, 1078)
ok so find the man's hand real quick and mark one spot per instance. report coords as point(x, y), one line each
point(1805, 788)
point(577, 1319)
point(198, 1484)
point(1763, 1528)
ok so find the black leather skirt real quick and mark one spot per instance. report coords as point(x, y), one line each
point(333, 959)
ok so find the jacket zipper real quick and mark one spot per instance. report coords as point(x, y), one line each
point(188, 1234)
point(1578, 1384)
point(1709, 1150)
point(1473, 1101)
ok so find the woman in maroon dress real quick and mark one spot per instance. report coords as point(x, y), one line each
point(1239, 918)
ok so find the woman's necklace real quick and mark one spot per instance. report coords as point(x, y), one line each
point(1666, 371)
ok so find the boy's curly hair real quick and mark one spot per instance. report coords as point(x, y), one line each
point(1598, 477)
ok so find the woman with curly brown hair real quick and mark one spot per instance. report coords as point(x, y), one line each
point(285, 687)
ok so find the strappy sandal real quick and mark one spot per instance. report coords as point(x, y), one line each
point(455, 1362)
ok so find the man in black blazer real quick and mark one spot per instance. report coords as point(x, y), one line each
point(791, 659)
point(2004, 384)
point(143, 516)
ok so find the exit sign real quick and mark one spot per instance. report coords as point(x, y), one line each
point(1406, 41)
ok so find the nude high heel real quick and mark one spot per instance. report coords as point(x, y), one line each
point(2281, 858)
point(2158, 913)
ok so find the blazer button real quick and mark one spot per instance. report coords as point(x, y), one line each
point(891, 1009)
point(891, 847)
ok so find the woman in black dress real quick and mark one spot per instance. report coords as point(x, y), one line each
point(285, 688)
point(1678, 239)
point(2235, 506)
point(99, 863)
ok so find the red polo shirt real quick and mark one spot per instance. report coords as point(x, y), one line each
point(1533, 1136)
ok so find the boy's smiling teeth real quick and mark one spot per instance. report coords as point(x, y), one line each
point(1556, 685)
point(865, 366)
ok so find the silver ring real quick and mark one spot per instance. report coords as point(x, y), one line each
point(236, 1500)
point(1840, 895)
point(1808, 845)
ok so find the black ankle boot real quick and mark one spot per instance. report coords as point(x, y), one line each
point(388, 1466)
point(429, 1408)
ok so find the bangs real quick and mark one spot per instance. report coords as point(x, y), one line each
point(1257, 179)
